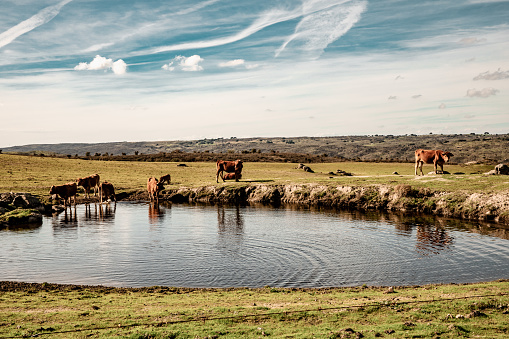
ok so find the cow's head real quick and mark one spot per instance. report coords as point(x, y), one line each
point(238, 165)
point(80, 181)
point(446, 156)
point(52, 190)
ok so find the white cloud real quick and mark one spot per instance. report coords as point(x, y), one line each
point(43, 16)
point(497, 75)
point(101, 63)
point(484, 93)
point(119, 67)
point(232, 63)
point(187, 64)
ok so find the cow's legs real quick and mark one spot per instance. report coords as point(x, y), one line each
point(418, 165)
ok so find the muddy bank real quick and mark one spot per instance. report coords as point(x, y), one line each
point(402, 198)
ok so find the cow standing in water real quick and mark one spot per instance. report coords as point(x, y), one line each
point(153, 188)
point(106, 191)
point(435, 157)
point(229, 167)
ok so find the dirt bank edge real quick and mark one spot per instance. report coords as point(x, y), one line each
point(402, 198)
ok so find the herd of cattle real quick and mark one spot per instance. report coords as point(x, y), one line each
point(227, 170)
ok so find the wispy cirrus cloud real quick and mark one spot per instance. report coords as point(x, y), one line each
point(321, 27)
point(197, 7)
point(42, 17)
point(323, 22)
point(232, 63)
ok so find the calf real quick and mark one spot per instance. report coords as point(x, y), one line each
point(89, 182)
point(165, 179)
point(435, 157)
point(231, 176)
point(228, 167)
point(153, 188)
point(106, 191)
point(66, 192)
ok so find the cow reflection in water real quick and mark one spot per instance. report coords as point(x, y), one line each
point(70, 217)
point(101, 212)
point(156, 213)
point(432, 239)
point(230, 224)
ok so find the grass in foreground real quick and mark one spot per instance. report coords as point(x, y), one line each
point(36, 174)
point(445, 311)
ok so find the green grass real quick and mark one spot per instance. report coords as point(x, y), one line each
point(447, 311)
point(36, 174)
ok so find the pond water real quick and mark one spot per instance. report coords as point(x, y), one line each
point(140, 244)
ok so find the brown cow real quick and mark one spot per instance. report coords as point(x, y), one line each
point(231, 176)
point(228, 167)
point(65, 191)
point(153, 188)
point(435, 157)
point(165, 178)
point(106, 190)
point(89, 182)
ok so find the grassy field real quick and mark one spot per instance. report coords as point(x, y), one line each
point(35, 175)
point(434, 311)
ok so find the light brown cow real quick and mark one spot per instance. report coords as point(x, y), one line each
point(165, 179)
point(106, 191)
point(228, 167)
point(435, 157)
point(231, 176)
point(88, 183)
point(65, 191)
point(153, 188)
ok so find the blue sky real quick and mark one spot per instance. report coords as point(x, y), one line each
point(139, 70)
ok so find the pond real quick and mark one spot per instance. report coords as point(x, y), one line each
point(140, 244)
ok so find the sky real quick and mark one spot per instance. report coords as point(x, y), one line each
point(148, 70)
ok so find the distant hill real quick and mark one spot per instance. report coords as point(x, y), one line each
point(465, 147)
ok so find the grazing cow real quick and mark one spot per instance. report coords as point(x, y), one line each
point(165, 178)
point(65, 191)
point(88, 183)
point(435, 157)
point(228, 167)
point(231, 176)
point(153, 188)
point(106, 191)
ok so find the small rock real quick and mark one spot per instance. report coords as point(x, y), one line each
point(502, 169)
point(395, 173)
point(390, 290)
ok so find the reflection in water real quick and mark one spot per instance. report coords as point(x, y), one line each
point(68, 219)
point(432, 239)
point(106, 212)
point(230, 225)
point(230, 221)
point(155, 213)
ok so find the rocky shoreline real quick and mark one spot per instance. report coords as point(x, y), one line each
point(402, 198)
point(24, 208)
